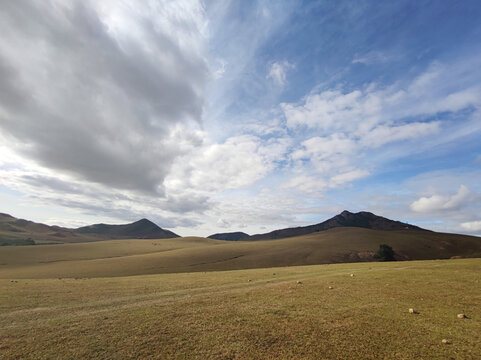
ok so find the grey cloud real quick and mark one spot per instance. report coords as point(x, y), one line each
point(48, 189)
point(124, 214)
point(188, 203)
point(81, 98)
point(51, 183)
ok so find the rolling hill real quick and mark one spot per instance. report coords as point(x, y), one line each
point(143, 228)
point(361, 219)
point(347, 237)
point(230, 236)
point(192, 254)
point(15, 231)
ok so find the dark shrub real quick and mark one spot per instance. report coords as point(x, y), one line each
point(385, 253)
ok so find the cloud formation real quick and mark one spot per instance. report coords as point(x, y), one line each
point(146, 109)
point(235, 163)
point(105, 91)
point(345, 128)
point(473, 226)
point(374, 57)
point(278, 72)
point(437, 202)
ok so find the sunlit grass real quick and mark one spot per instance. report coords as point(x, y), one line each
point(221, 315)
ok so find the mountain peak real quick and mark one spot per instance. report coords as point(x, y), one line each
point(362, 219)
point(144, 221)
point(143, 228)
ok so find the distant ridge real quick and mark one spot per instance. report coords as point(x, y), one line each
point(361, 219)
point(231, 236)
point(143, 228)
point(15, 231)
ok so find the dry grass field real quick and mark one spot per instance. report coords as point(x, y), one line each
point(140, 257)
point(249, 314)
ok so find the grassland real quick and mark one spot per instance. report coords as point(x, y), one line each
point(139, 257)
point(198, 298)
point(223, 315)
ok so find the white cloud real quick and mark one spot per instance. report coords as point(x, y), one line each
point(222, 223)
point(336, 157)
point(348, 177)
point(306, 184)
point(385, 134)
point(325, 147)
point(363, 109)
point(273, 127)
point(331, 109)
point(317, 185)
point(347, 128)
point(374, 57)
point(238, 162)
point(327, 154)
point(472, 225)
point(220, 70)
point(436, 202)
point(278, 72)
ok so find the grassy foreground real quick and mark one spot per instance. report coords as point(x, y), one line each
point(223, 315)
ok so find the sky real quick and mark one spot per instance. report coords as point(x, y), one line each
point(251, 116)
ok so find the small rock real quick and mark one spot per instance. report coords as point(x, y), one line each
point(445, 341)
point(299, 282)
point(352, 275)
point(331, 287)
point(273, 273)
point(462, 316)
point(412, 311)
point(249, 280)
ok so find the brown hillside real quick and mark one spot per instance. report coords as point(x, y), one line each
point(361, 219)
point(136, 257)
point(15, 231)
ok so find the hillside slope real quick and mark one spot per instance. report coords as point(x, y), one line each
point(15, 231)
point(143, 228)
point(230, 236)
point(137, 257)
point(361, 219)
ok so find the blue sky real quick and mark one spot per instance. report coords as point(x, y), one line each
point(241, 115)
